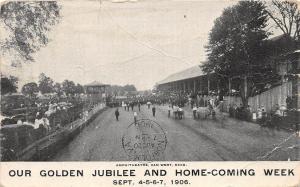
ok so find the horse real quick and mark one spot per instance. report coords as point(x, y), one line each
point(181, 114)
point(178, 114)
point(202, 112)
point(214, 112)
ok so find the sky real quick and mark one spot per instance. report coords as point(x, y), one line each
point(122, 42)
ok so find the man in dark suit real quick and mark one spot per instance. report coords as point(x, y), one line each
point(117, 113)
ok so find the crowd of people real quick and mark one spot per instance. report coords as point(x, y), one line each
point(175, 100)
point(36, 111)
point(240, 112)
point(202, 105)
point(38, 118)
point(277, 115)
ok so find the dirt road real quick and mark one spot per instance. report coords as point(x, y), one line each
point(187, 139)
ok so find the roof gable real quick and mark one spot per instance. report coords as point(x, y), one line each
point(95, 83)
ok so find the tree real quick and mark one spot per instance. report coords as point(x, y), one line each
point(121, 90)
point(79, 89)
point(129, 88)
point(8, 84)
point(45, 84)
point(286, 16)
point(30, 89)
point(116, 90)
point(57, 88)
point(236, 46)
point(28, 24)
point(68, 87)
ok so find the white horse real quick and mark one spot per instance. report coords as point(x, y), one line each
point(215, 112)
point(203, 112)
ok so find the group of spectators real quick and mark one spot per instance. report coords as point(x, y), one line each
point(178, 99)
point(46, 116)
point(43, 118)
point(52, 118)
point(241, 112)
point(260, 115)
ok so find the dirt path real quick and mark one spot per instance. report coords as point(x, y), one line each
point(188, 139)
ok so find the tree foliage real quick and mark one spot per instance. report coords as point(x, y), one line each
point(57, 88)
point(122, 90)
point(68, 87)
point(286, 16)
point(79, 89)
point(129, 88)
point(236, 48)
point(28, 24)
point(8, 84)
point(45, 84)
point(30, 89)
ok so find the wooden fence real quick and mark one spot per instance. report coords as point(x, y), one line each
point(268, 99)
point(48, 146)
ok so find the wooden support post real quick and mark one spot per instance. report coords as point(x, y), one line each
point(218, 87)
point(200, 85)
point(229, 91)
point(245, 86)
point(229, 86)
point(16, 137)
point(208, 84)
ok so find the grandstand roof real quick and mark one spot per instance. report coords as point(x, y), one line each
point(96, 83)
point(189, 73)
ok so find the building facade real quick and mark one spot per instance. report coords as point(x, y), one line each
point(96, 92)
point(191, 80)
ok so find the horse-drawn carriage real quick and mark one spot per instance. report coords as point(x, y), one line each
point(178, 114)
point(207, 112)
point(210, 112)
point(203, 112)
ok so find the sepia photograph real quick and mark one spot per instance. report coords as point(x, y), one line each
point(150, 80)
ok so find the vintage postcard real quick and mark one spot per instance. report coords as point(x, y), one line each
point(150, 93)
